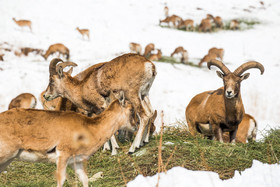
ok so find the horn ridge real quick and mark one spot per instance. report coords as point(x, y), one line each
point(65, 64)
point(248, 65)
point(218, 64)
point(53, 63)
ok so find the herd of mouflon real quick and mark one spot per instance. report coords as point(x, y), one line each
point(82, 113)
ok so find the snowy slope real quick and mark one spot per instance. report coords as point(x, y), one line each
point(115, 23)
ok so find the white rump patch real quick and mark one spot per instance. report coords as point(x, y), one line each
point(252, 129)
point(33, 103)
point(149, 69)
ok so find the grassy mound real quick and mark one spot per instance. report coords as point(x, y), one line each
point(178, 149)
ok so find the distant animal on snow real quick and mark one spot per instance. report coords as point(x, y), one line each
point(83, 32)
point(135, 47)
point(57, 48)
point(23, 23)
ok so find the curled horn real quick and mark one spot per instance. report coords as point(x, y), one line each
point(65, 64)
point(52, 67)
point(218, 64)
point(248, 65)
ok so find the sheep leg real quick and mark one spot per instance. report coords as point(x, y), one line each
point(148, 131)
point(79, 170)
point(7, 154)
point(145, 134)
point(145, 138)
point(5, 164)
point(137, 140)
point(9, 160)
point(61, 164)
point(146, 107)
point(192, 127)
point(114, 145)
point(143, 112)
point(218, 133)
point(144, 119)
point(106, 146)
point(151, 120)
point(149, 112)
point(148, 104)
point(232, 136)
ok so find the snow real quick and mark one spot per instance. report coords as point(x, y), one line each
point(113, 24)
point(259, 175)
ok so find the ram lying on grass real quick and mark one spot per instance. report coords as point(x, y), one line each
point(214, 112)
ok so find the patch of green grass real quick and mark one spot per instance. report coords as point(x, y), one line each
point(172, 60)
point(194, 153)
point(249, 21)
point(244, 25)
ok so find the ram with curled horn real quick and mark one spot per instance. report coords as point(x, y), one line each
point(63, 104)
point(56, 70)
point(213, 112)
point(130, 73)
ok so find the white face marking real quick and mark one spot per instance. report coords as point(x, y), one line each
point(229, 93)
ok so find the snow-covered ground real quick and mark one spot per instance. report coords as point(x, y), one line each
point(259, 175)
point(114, 24)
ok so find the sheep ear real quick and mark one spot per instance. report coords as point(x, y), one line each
point(154, 116)
point(220, 74)
point(60, 72)
point(245, 76)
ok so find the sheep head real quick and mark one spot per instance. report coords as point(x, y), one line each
point(57, 77)
point(232, 80)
